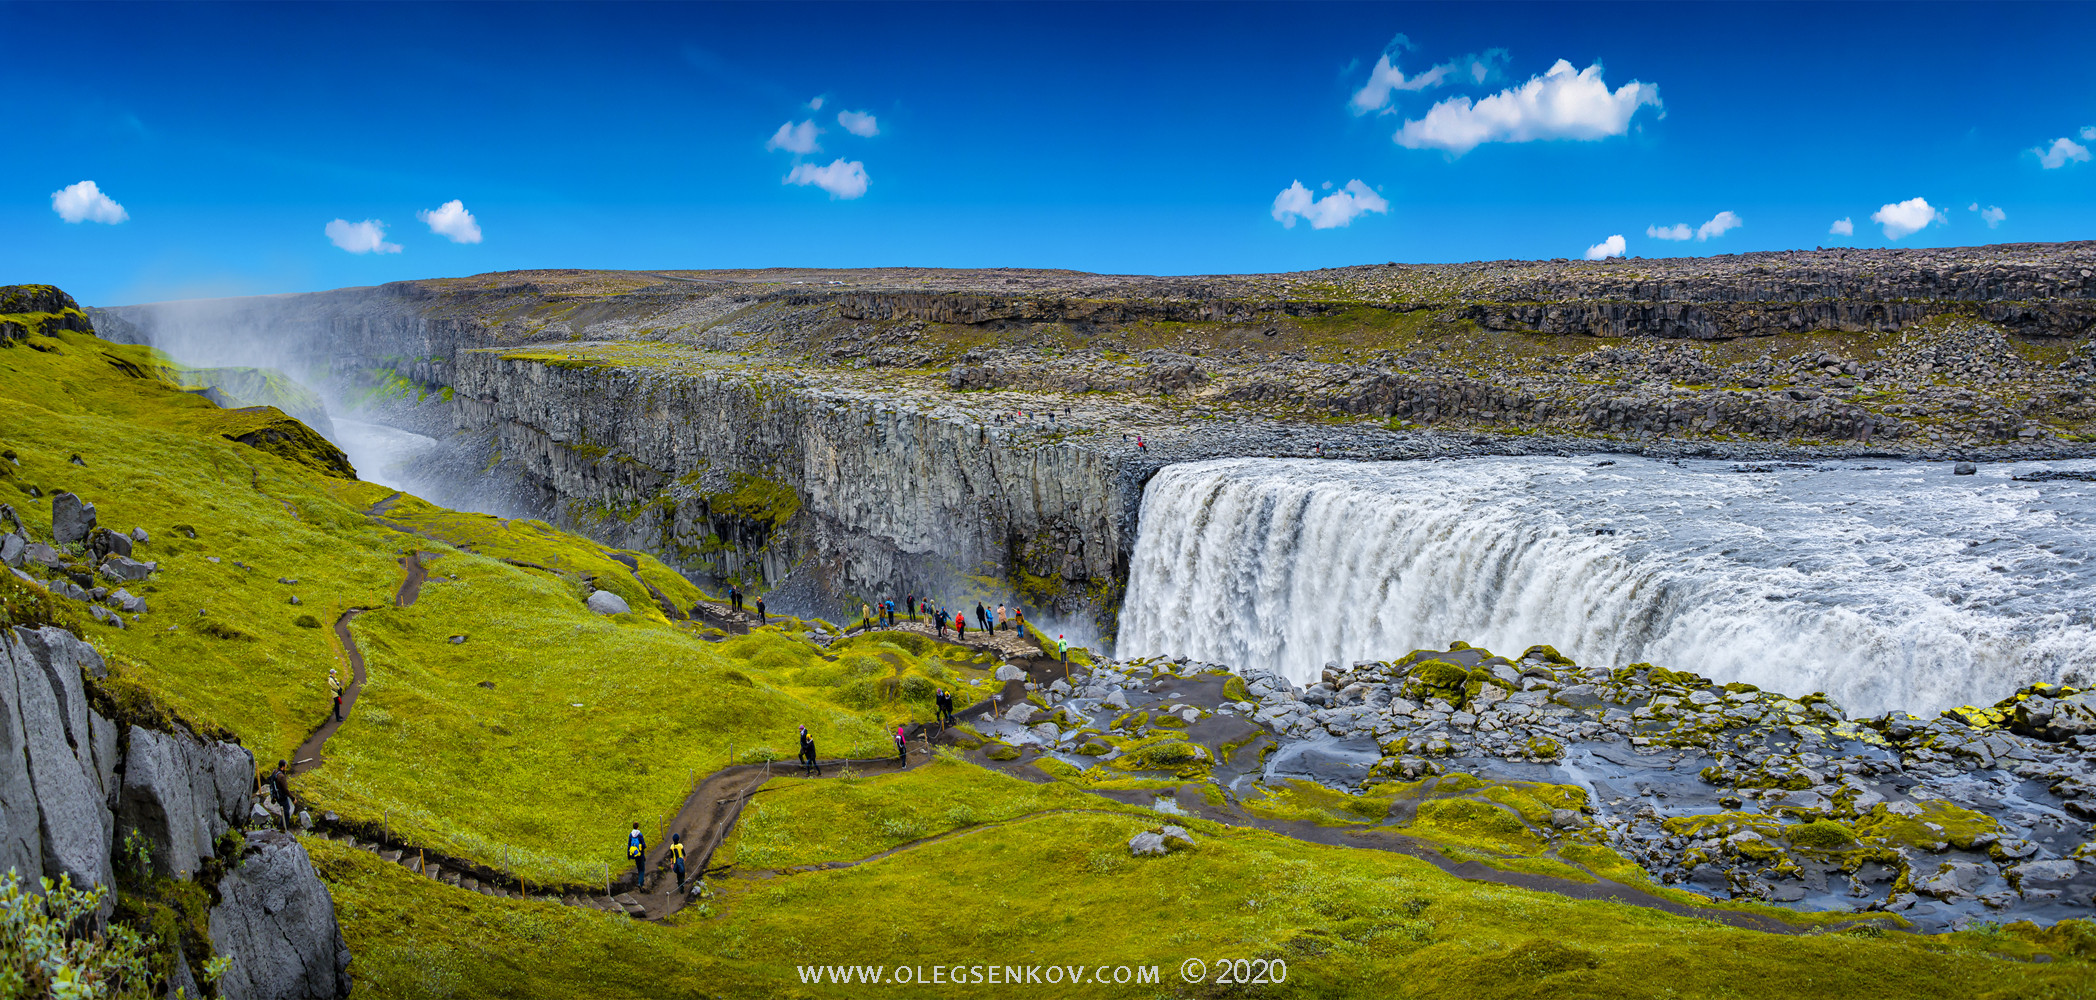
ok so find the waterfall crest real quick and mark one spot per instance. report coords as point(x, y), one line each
point(1886, 586)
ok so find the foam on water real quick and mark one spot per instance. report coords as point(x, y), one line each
point(1885, 585)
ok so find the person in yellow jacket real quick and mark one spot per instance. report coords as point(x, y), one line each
point(335, 686)
point(637, 849)
point(677, 858)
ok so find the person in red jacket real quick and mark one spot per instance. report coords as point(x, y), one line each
point(902, 746)
point(960, 625)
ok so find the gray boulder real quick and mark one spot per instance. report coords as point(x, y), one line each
point(139, 536)
point(132, 604)
point(604, 602)
point(120, 569)
point(105, 616)
point(1953, 879)
point(1009, 672)
point(12, 547)
point(54, 817)
point(182, 794)
point(1022, 714)
point(103, 542)
point(1146, 844)
point(275, 924)
point(71, 518)
point(2045, 872)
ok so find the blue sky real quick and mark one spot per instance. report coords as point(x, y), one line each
point(1159, 138)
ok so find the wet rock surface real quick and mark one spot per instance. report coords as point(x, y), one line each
point(1724, 791)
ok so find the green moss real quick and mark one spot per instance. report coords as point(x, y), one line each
point(1825, 835)
point(755, 498)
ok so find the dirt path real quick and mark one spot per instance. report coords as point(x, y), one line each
point(310, 754)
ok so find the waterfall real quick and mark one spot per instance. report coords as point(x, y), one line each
point(1887, 586)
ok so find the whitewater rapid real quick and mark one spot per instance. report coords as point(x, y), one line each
point(1886, 585)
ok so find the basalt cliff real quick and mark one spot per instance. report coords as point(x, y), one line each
point(863, 433)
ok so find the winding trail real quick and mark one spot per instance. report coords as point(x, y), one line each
point(713, 808)
point(311, 753)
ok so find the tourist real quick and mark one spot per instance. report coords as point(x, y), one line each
point(902, 747)
point(945, 701)
point(865, 615)
point(909, 604)
point(1003, 618)
point(335, 685)
point(677, 858)
point(982, 616)
point(762, 618)
point(1019, 621)
point(960, 627)
point(637, 849)
point(735, 598)
point(1062, 649)
point(280, 787)
point(808, 761)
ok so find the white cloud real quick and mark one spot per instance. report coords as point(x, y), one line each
point(368, 236)
point(1677, 231)
point(1339, 208)
point(1992, 215)
point(1718, 224)
point(859, 123)
point(1386, 78)
point(842, 180)
point(84, 202)
point(1842, 227)
point(1906, 217)
point(2063, 152)
point(795, 138)
point(1563, 103)
point(451, 221)
point(815, 105)
point(1611, 247)
point(2088, 132)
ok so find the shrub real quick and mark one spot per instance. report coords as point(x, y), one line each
point(306, 621)
point(31, 606)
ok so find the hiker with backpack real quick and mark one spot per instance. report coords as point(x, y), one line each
point(960, 627)
point(808, 761)
point(637, 849)
point(902, 747)
point(335, 685)
point(280, 788)
point(762, 619)
point(945, 702)
point(677, 858)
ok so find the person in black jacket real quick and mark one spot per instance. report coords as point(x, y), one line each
point(945, 701)
point(808, 761)
point(280, 787)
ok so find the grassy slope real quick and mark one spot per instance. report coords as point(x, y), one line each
point(1061, 889)
point(475, 770)
point(510, 772)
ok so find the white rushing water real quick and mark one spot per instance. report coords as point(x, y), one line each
point(1885, 585)
point(383, 455)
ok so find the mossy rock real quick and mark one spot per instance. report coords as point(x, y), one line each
point(1547, 654)
point(1234, 690)
point(1821, 835)
point(1094, 748)
point(306, 621)
point(1001, 751)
